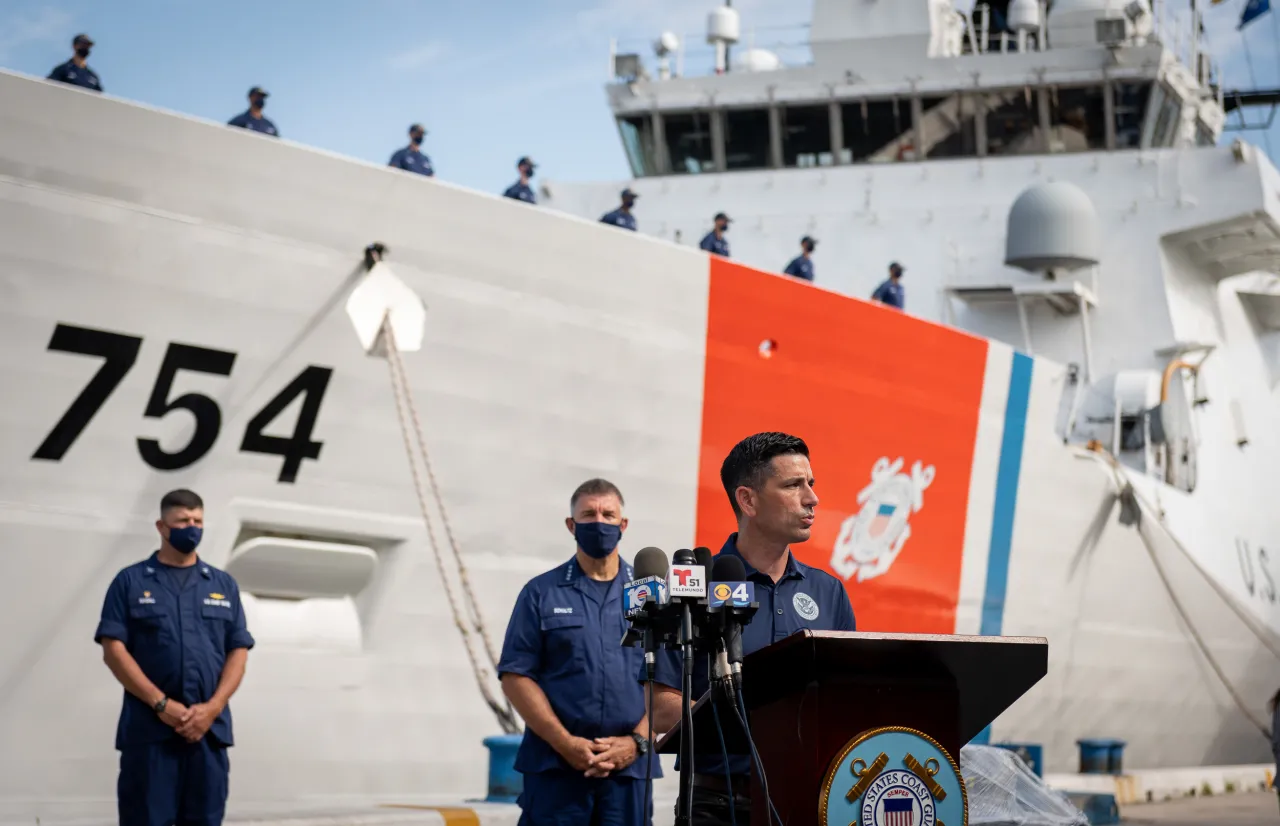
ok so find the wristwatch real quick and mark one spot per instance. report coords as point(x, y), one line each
point(159, 706)
point(642, 745)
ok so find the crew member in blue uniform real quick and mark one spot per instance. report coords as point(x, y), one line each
point(252, 118)
point(890, 291)
point(714, 241)
point(585, 747)
point(622, 217)
point(76, 71)
point(770, 485)
point(411, 158)
point(173, 633)
point(520, 190)
point(802, 265)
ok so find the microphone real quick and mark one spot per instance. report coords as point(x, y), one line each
point(733, 597)
point(643, 599)
point(650, 583)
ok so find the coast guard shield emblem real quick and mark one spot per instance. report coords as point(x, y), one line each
point(893, 777)
point(871, 539)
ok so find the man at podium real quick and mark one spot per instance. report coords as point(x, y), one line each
point(770, 485)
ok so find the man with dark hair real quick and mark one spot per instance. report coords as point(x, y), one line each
point(771, 490)
point(76, 71)
point(584, 751)
point(173, 633)
point(890, 292)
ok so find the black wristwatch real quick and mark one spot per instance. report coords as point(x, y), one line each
point(159, 706)
point(642, 745)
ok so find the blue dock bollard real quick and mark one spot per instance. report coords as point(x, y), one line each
point(505, 783)
point(1101, 756)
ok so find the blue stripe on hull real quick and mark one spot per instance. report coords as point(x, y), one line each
point(1006, 503)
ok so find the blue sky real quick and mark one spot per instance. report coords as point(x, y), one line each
point(491, 81)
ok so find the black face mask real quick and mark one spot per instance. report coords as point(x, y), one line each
point(807, 247)
point(261, 103)
point(416, 138)
point(82, 51)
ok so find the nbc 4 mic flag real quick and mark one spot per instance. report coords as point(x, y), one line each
point(639, 591)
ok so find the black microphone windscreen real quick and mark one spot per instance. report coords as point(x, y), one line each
point(728, 568)
point(684, 556)
point(650, 562)
point(703, 555)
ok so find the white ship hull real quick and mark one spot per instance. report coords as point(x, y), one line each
point(558, 349)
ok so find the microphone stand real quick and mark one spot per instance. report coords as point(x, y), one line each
point(684, 811)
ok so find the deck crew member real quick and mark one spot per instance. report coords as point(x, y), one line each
point(520, 190)
point(76, 71)
point(411, 157)
point(802, 265)
point(890, 291)
point(622, 217)
point(584, 751)
point(252, 118)
point(714, 241)
point(771, 488)
point(173, 633)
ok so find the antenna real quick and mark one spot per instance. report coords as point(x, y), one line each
point(666, 43)
point(723, 29)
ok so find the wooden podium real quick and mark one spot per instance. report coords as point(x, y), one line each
point(809, 695)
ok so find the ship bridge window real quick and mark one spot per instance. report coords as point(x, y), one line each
point(1168, 114)
point(638, 141)
point(1131, 109)
point(1013, 123)
point(689, 142)
point(948, 126)
point(806, 136)
point(746, 138)
point(872, 129)
point(1077, 119)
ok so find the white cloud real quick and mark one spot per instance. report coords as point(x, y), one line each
point(420, 57)
point(46, 26)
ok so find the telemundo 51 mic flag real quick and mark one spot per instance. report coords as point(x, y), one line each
point(687, 581)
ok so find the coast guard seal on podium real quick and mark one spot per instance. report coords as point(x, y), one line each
point(893, 776)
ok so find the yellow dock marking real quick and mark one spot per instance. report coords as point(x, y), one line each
point(453, 815)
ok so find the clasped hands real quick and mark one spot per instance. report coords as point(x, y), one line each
point(599, 757)
point(191, 722)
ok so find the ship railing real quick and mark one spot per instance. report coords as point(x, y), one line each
point(694, 57)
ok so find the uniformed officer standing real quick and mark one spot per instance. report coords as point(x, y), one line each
point(714, 241)
point(520, 190)
point(252, 118)
point(173, 633)
point(771, 488)
point(890, 292)
point(802, 265)
point(411, 158)
point(76, 71)
point(584, 751)
point(622, 217)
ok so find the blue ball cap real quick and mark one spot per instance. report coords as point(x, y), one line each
point(526, 161)
point(627, 193)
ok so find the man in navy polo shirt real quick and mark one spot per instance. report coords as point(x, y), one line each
point(411, 158)
point(76, 71)
point(714, 241)
point(173, 633)
point(520, 190)
point(890, 292)
point(770, 486)
point(585, 750)
point(253, 119)
point(622, 217)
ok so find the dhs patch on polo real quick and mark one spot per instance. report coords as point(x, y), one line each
point(893, 777)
